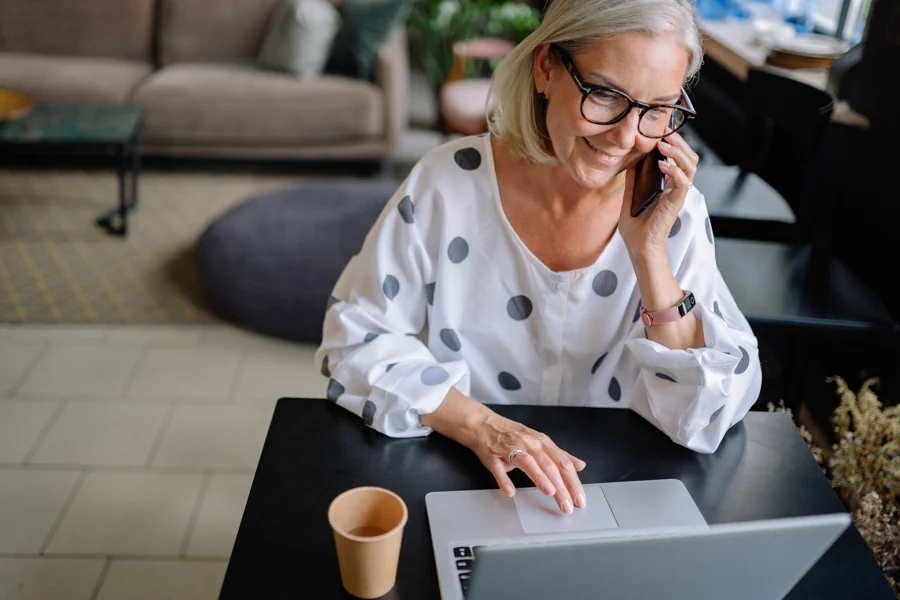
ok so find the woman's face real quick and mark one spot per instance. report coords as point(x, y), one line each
point(649, 69)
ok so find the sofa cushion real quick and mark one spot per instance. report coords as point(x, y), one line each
point(98, 28)
point(299, 37)
point(199, 104)
point(212, 30)
point(365, 28)
point(62, 79)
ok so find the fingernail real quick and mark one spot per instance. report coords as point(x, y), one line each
point(509, 491)
point(581, 500)
point(665, 144)
point(549, 490)
point(567, 506)
point(663, 164)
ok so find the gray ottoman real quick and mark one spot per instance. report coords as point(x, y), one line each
point(271, 263)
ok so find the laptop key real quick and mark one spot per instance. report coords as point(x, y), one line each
point(465, 564)
point(462, 552)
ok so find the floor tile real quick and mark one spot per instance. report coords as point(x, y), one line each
point(210, 437)
point(99, 371)
point(273, 375)
point(229, 336)
point(101, 433)
point(30, 502)
point(186, 373)
point(128, 513)
point(15, 359)
point(58, 334)
point(20, 424)
point(220, 515)
point(163, 580)
point(49, 578)
point(163, 334)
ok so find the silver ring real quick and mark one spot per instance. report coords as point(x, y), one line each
point(513, 454)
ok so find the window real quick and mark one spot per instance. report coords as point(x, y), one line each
point(849, 15)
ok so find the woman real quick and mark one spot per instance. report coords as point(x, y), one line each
point(508, 268)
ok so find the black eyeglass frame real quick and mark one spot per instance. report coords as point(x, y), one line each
point(588, 88)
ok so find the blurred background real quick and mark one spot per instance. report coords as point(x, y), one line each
point(182, 181)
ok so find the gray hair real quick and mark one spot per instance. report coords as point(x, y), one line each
point(516, 116)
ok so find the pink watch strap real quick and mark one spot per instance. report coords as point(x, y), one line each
point(668, 315)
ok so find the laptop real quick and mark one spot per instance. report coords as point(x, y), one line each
point(637, 539)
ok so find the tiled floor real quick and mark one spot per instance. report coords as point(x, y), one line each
point(127, 453)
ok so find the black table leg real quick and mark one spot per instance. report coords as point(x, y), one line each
point(115, 221)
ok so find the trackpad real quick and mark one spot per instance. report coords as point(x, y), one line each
point(540, 514)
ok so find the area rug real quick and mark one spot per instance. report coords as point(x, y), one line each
point(57, 266)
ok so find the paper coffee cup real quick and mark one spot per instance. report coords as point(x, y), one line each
point(368, 527)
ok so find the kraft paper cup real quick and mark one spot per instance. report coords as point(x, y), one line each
point(368, 527)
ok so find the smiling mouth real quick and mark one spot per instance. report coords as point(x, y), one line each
point(609, 158)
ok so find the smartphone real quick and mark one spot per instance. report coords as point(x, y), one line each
point(649, 182)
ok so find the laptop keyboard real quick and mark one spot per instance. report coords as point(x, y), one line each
point(464, 557)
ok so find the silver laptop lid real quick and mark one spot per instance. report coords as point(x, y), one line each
point(758, 560)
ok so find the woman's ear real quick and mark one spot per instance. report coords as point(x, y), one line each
point(542, 65)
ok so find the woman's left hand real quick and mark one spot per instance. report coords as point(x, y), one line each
point(646, 234)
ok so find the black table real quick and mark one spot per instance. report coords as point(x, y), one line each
point(315, 450)
point(91, 128)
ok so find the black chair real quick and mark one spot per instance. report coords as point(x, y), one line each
point(767, 195)
point(773, 223)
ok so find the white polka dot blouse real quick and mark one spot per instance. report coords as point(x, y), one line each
point(444, 293)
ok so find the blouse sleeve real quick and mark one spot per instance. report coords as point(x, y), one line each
point(377, 366)
point(696, 395)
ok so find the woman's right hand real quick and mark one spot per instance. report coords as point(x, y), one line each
point(553, 470)
point(492, 437)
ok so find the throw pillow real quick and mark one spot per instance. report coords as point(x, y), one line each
point(366, 27)
point(299, 36)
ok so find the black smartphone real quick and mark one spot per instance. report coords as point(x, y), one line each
point(649, 182)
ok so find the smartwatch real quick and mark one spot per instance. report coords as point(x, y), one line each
point(668, 315)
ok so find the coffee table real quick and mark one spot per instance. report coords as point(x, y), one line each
point(107, 129)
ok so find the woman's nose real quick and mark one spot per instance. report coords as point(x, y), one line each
point(625, 132)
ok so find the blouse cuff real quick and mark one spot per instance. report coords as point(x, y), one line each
point(412, 389)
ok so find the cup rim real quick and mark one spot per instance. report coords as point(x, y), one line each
point(375, 538)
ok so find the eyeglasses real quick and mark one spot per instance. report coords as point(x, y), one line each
point(603, 105)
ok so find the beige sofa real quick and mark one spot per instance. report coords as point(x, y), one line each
point(190, 64)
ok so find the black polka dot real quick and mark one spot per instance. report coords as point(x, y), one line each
point(676, 227)
point(743, 363)
point(519, 308)
point(637, 313)
point(390, 366)
point(332, 301)
point(458, 250)
point(509, 382)
point(716, 414)
point(368, 415)
point(429, 290)
point(407, 210)
point(450, 339)
point(391, 287)
point(335, 390)
point(369, 337)
point(598, 363)
point(434, 376)
point(717, 311)
point(615, 390)
point(666, 377)
point(468, 158)
point(605, 283)
point(325, 370)
point(709, 234)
